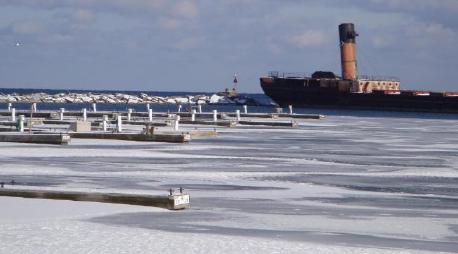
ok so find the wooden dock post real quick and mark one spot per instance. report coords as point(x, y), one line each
point(215, 115)
point(13, 115)
point(150, 115)
point(193, 115)
point(129, 114)
point(119, 124)
point(21, 123)
point(105, 123)
point(176, 123)
point(61, 116)
point(84, 115)
point(237, 115)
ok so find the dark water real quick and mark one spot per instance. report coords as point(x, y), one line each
point(267, 105)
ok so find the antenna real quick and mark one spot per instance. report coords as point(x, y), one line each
point(235, 82)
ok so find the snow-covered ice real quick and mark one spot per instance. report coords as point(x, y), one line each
point(341, 185)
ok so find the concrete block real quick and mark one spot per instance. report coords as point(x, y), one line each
point(80, 126)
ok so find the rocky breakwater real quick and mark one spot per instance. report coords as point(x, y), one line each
point(122, 98)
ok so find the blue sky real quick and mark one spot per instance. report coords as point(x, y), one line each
point(197, 45)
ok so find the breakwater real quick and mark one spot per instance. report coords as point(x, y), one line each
point(119, 97)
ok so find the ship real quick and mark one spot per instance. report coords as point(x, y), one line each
point(350, 90)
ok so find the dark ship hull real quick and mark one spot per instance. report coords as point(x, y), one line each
point(302, 92)
point(325, 89)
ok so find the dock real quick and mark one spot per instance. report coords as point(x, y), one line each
point(60, 126)
point(172, 202)
point(53, 139)
point(169, 137)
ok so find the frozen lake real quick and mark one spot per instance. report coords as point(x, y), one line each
point(346, 184)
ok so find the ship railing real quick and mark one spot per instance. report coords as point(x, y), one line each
point(378, 78)
point(277, 74)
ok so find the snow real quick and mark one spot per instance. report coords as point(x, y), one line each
point(341, 185)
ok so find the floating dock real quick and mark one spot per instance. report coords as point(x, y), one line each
point(58, 126)
point(169, 137)
point(171, 202)
point(54, 139)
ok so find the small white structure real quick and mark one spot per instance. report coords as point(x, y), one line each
point(105, 123)
point(193, 115)
point(290, 109)
point(21, 123)
point(199, 107)
point(150, 115)
point(129, 114)
point(80, 126)
point(245, 109)
point(13, 115)
point(147, 107)
point(94, 107)
point(215, 115)
point(237, 115)
point(84, 114)
point(176, 123)
point(34, 107)
point(179, 107)
point(62, 110)
point(119, 124)
point(10, 105)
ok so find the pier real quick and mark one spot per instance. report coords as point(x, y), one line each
point(61, 125)
point(172, 202)
point(36, 138)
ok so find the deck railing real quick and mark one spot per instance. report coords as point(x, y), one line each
point(277, 74)
point(378, 78)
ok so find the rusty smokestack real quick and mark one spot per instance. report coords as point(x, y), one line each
point(348, 51)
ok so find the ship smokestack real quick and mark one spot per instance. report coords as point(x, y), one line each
point(348, 51)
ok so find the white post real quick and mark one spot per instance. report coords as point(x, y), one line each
point(105, 123)
point(245, 109)
point(237, 115)
point(13, 115)
point(147, 107)
point(215, 115)
point(9, 106)
point(62, 110)
point(199, 107)
point(94, 107)
point(119, 124)
point(179, 107)
point(84, 114)
point(21, 123)
point(129, 114)
point(176, 126)
point(34, 107)
point(150, 115)
point(290, 109)
point(193, 115)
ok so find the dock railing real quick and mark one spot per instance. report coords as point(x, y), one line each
point(378, 78)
